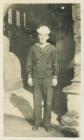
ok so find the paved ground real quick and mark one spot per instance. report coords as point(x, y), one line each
point(18, 116)
point(18, 127)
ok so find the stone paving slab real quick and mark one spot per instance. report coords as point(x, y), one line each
point(19, 103)
point(19, 127)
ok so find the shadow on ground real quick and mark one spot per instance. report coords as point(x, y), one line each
point(23, 106)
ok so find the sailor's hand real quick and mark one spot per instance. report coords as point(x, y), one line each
point(54, 82)
point(30, 81)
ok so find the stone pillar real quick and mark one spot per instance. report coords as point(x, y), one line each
point(12, 68)
point(70, 121)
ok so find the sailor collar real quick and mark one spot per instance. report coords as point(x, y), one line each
point(42, 46)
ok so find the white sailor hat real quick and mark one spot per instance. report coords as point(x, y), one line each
point(43, 30)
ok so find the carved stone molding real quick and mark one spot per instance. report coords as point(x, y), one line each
point(73, 90)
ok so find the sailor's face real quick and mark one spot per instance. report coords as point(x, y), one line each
point(42, 38)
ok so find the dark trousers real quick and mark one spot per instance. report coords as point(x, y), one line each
point(43, 90)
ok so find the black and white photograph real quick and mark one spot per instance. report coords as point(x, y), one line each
point(41, 70)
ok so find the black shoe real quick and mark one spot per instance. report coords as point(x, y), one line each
point(35, 128)
point(48, 129)
point(59, 119)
